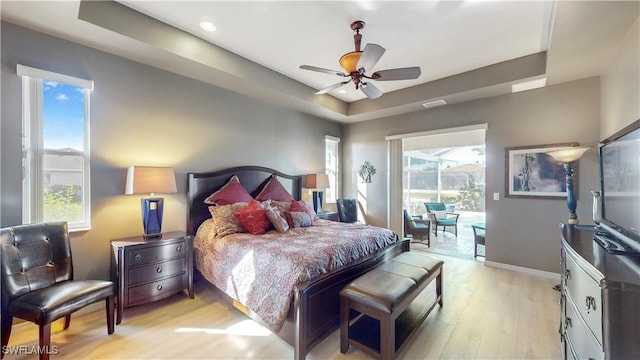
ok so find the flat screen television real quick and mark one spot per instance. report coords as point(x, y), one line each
point(620, 185)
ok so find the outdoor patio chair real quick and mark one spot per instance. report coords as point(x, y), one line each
point(417, 227)
point(439, 216)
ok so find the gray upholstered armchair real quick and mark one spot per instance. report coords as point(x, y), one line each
point(37, 281)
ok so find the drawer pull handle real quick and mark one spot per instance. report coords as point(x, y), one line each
point(178, 248)
point(159, 287)
point(567, 275)
point(591, 303)
point(138, 257)
point(567, 323)
point(159, 270)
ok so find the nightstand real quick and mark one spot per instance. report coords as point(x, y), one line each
point(147, 270)
point(330, 215)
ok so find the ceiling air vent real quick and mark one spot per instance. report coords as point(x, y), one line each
point(432, 104)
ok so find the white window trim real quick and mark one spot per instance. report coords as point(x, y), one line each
point(32, 186)
point(337, 169)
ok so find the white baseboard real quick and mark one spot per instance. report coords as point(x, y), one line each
point(520, 269)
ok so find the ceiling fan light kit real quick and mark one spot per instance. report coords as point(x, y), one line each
point(357, 63)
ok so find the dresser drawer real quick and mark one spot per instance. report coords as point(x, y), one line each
point(151, 254)
point(585, 294)
point(149, 273)
point(156, 290)
point(581, 341)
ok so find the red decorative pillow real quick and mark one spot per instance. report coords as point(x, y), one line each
point(254, 218)
point(231, 193)
point(273, 190)
point(296, 219)
point(298, 205)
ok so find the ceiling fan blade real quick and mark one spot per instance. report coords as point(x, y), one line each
point(370, 56)
point(322, 70)
point(332, 87)
point(370, 90)
point(397, 74)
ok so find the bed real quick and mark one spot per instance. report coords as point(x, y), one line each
point(313, 310)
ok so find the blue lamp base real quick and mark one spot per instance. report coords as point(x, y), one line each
point(317, 201)
point(152, 217)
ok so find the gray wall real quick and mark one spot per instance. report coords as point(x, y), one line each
point(145, 116)
point(520, 232)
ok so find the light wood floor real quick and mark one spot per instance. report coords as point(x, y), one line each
point(488, 313)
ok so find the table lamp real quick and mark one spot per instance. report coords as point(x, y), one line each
point(317, 182)
point(151, 180)
point(568, 156)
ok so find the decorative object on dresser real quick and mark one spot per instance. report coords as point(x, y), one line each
point(38, 285)
point(317, 183)
point(567, 156)
point(151, 180)
point(600, 298)
point(145, 270)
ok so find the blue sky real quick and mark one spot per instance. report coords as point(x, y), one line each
point(63, 116)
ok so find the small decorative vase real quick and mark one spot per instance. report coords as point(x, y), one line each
point(597, 208)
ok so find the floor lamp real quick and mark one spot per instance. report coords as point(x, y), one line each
point(317, 182)
point(151, 180)
point(568, 156)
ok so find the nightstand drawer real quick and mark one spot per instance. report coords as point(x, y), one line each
point(153, 254)
point(156, 290)
point(157, 271)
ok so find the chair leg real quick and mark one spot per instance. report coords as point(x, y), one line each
point(7, 321)
point(67, 322)
point(45, 341)
point(110, 310)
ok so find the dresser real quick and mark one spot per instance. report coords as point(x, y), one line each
point(600, 302)
point(147, 270)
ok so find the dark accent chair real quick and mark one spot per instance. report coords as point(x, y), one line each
point(347, 210)
point(478, 238)
point(439, 216)
point(417, 227)
point(37, 281)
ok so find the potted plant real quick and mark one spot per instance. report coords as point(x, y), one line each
point(366, 171)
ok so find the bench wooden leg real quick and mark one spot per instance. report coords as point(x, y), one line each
point(344, 324)
point(439, 288)
point(387, 336)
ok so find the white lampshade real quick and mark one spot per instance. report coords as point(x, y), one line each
point(149, 180)
point(317, 181)
point(569, 154)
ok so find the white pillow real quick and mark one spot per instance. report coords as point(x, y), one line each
point(440, 214)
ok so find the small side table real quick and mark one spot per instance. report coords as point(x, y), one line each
point(147, 270)
point(329, 215)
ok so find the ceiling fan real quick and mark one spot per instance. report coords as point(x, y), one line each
point(357, 63)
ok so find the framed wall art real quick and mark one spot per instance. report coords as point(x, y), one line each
point(531, 173)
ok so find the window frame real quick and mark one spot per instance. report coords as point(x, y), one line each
point(33, 144)
point(332, 143)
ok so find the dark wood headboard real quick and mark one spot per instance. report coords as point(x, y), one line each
point(253, 178)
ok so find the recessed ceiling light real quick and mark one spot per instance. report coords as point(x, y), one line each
point(207, 25)
point(343, 91)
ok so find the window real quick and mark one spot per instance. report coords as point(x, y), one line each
point(332, 166)
point(55, 118)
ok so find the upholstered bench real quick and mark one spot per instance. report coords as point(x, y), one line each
point(383, 295)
